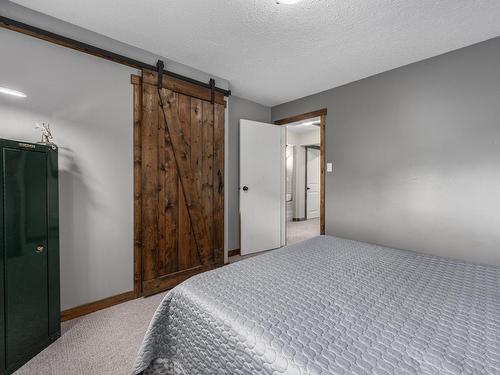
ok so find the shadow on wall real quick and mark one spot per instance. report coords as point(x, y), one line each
point(74, 226)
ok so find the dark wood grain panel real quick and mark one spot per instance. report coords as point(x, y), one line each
point(185, 232)
point(218, 208)
point(196, 157)
point(181, 184)
point(182, 87)
point(149, 182)
point(172, 207)
point(196, 154)
point(137, 187)
point(207, 176)
point(187, 243)
point(168, 203)
point(169, 281)
point(191, 194)
point(161, 197)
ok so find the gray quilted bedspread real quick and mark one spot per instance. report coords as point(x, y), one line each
point(330, 306)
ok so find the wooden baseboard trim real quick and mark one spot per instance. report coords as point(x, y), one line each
point(91, 307)
point(232, 253)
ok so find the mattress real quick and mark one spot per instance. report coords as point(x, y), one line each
point(330, 306)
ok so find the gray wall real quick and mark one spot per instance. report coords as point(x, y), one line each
point(238, 109)
point(88, 102)
point(416, 155)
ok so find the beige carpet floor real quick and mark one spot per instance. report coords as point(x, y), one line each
point(298, 231)
point(102, 343)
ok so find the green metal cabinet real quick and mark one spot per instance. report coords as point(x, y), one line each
point(29, 252)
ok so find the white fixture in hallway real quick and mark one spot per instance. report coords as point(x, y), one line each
point(312, 183)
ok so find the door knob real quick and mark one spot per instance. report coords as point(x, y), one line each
point(245, 188)
point(39, 248)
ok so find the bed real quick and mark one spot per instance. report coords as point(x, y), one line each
point(330, 306)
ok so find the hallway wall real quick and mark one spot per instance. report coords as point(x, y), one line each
point(416, 156)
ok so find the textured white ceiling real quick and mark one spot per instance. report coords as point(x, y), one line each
point(275, 53)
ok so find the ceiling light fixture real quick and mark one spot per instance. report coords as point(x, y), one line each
point(287, 2)
point(5, 90)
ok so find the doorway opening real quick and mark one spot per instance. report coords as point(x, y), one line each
point(274, 213)
point(302, 197)
point(304, 176)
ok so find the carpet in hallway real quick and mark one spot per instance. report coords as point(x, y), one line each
point(298, 231)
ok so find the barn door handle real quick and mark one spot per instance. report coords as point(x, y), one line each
point(221, 182)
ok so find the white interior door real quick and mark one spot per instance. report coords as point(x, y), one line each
point(262, 187)
point(312, 183)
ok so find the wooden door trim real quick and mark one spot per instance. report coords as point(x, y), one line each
point(302, 116)
point(179, 86)
point(322, 172)
point(232, 253)
point(321, 113)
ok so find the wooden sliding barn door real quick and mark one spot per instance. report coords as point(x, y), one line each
point(179, 157)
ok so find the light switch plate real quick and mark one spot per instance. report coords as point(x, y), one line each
point(329, 167)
